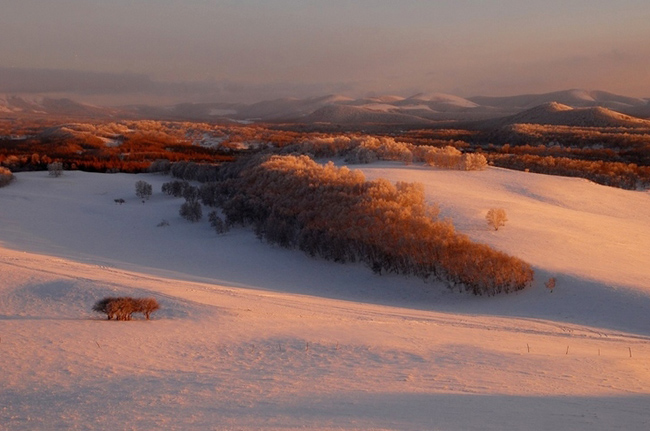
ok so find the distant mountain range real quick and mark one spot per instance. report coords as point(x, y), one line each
point(13, 105)
point(570, 108)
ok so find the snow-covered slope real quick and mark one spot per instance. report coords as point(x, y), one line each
point(251, 336)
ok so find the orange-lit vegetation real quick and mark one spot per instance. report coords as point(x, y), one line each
point(613, 156)
point(5, 176)
point(624, 175)
point(327, 211)
point(617, 157)
point(122, 308)
point(127, 146)
point(335, 214)
point(367, 149)
point(613, 137)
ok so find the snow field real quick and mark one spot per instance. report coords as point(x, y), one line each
point(251, 336)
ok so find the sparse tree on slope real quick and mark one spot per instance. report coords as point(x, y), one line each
point(496, 218)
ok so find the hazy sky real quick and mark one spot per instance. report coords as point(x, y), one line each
point(464, 47)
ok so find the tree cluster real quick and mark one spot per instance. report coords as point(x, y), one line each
point(129, 146)
point(192, 171)
point(336, 214)
point(623, 175)
point(122, 308)
point(367, 149)
point(608, 137)
point(191, 210)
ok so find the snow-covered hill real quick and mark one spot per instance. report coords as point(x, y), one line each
point(557, 114)
point(576, 98)
point(251, 336)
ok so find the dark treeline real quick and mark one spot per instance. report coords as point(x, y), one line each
point(336, 214)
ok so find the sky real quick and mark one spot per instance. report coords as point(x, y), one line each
point(266, 48)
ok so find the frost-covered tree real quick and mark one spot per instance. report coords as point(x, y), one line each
point(55, 169)
point(191, 211)
point(473, 162)
point(190, 193)
point(496, 218)
point(217, 223)
point(143, 190)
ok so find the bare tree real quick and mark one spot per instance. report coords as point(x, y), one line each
point(496, 218)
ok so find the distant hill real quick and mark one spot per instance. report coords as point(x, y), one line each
point(574, 98)
point(639, 111)
point(558, 114)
